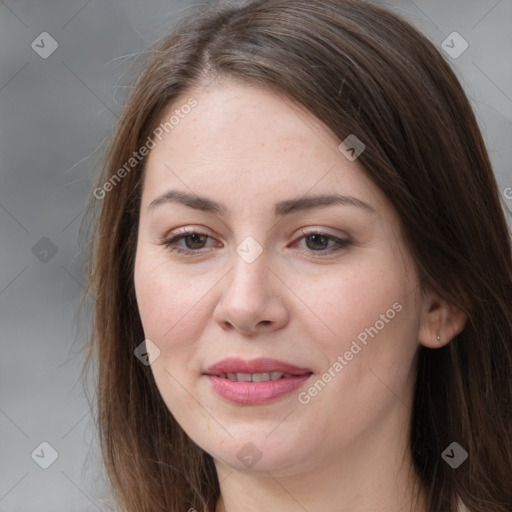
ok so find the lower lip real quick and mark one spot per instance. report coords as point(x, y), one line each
point(253, 393)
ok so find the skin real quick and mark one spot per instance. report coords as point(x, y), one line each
point(250, 148)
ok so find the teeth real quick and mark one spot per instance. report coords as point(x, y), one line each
point(255, 377)
point(260, 377)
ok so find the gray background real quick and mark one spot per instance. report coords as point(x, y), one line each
point(55, 114)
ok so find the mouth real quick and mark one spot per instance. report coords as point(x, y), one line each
point(255, 382)
point(261, 366)
point(255, 377)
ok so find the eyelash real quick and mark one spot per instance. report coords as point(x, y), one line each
point(168, 242)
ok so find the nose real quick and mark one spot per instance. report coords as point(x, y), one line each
point(252, 298)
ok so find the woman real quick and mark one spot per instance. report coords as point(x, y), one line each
point(303, 273)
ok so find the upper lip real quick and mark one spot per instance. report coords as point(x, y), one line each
point(260, 365)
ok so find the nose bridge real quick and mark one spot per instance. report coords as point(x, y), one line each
point(250, 263)
point(248, 301)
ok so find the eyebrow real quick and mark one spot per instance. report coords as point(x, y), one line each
point(281, 209)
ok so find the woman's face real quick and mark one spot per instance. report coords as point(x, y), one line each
point(268, 273)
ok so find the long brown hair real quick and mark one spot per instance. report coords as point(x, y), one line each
point(361, 70)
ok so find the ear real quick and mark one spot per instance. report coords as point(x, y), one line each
point(441, 321)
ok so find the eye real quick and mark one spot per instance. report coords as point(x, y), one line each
point(319, 240)
point(195, 241)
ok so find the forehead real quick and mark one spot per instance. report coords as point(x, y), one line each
point(240, 118)
point(251, 141)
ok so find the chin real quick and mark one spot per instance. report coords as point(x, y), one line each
point(253, 454)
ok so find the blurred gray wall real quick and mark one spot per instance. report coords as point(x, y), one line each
point(61, 67)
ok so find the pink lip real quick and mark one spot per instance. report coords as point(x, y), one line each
point(253, 393)
point(260, 365)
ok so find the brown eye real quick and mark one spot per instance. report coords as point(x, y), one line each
point(194, 242)
point(318, 242)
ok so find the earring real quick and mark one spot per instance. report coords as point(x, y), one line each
point(438, 337)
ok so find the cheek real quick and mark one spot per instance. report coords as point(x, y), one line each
point(351, 298)
point(170, 306)
point(371, 319)
point(377, 352)
point(169, 302)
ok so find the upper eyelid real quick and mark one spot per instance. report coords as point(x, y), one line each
point(311, 230)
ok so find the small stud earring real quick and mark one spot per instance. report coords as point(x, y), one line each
point(438, 337)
